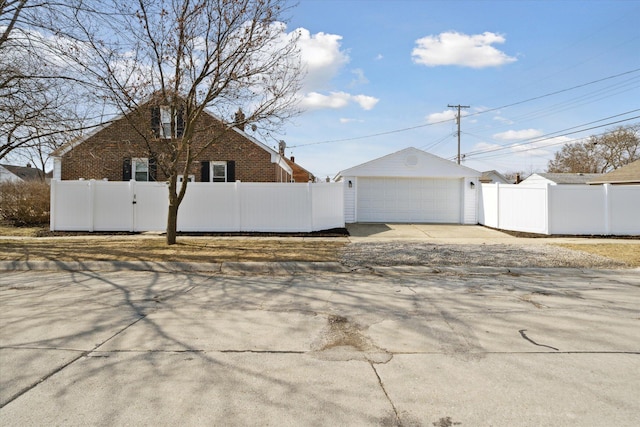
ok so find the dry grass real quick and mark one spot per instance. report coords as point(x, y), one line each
point(137, 248)
point(9, 230)
point(627, 252)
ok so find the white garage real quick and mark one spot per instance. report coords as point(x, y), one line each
point(411, 186)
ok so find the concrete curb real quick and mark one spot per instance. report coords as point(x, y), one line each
point(285, 268)
point(231, 268)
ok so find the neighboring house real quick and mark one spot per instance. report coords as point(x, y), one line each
point(11, 173)
point(493, 177)
point(626, 175)
point(300, 174)
point(410, 186)
point(559, 178)
point(130, 147)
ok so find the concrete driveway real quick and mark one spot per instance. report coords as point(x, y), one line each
point(449, 233)
point(530, 347)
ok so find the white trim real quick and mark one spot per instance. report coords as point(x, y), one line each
point(211, 170)
point(136, 160)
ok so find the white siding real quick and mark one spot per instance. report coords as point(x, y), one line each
point(7, 176)
point(470, 202)
point(350, 199)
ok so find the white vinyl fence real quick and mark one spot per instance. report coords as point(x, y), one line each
point(562, 209)
point(142, 206)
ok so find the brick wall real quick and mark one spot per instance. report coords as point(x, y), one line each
point(102, 155)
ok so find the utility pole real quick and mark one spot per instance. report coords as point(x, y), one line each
point(458, 122)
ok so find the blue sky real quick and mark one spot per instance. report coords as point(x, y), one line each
point(382, 66)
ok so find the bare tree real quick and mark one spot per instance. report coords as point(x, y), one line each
point(600, 153)
point(187, 55)
point(37, 100)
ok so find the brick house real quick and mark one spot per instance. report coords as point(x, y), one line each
point(133, 146)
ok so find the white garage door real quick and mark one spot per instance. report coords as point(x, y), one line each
point(409, 200)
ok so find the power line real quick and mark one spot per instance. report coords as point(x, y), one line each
point(469, 115)
point(548, 137)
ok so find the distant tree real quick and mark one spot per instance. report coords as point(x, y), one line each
point(513, 176)
point(600, 153)
point(187, 55)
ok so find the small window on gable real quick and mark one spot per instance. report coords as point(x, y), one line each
point(140, 169)
point(218, 171)
point(165, 121)
point(161, 121)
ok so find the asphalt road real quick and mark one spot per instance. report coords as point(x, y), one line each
point(411, 347)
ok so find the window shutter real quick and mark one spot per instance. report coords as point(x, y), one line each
point(155, 121)
point(231, 171)
point(204, 172)
point(180, 122)
point(153, 168)
point(126, 169)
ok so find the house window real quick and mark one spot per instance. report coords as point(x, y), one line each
point(190, 178)
point(218, 171)
point(161, 121)
point(140, 169)
point(165, 122)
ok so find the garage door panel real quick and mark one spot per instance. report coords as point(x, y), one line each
point(409, 200)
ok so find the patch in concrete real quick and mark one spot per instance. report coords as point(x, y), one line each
point(343, 340)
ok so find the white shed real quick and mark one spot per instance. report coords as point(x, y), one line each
point(411, 185)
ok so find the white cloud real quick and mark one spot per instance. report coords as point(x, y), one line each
point(360, 78)
point(345, 120)
point(365, 101)
point(453, 48)
point(379, 57)
point(503, 120)
point(336, 100)
point(540, 148)
point(515, 135)
point(444, 116)
point(322, 57)
point(482, 146)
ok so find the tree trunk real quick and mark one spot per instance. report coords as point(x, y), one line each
point(172, 223)
point(172, 215)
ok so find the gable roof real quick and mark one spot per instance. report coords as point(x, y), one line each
point(565, 178)
point(25, 173)
point(299, 173)
point(494, 176)
point(410, 163)
point(627, 174)
point(65, 148)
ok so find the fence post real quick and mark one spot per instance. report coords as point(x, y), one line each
point(92, 204)
point(52, 205)
point(547, 208)
point(497, 206)
point(607, 207)
point(238, 201)
point(310, 205)
point(132, 197)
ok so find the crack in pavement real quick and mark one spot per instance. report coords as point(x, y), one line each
point(522, 333)
point(82, 354)
point(384, 390)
